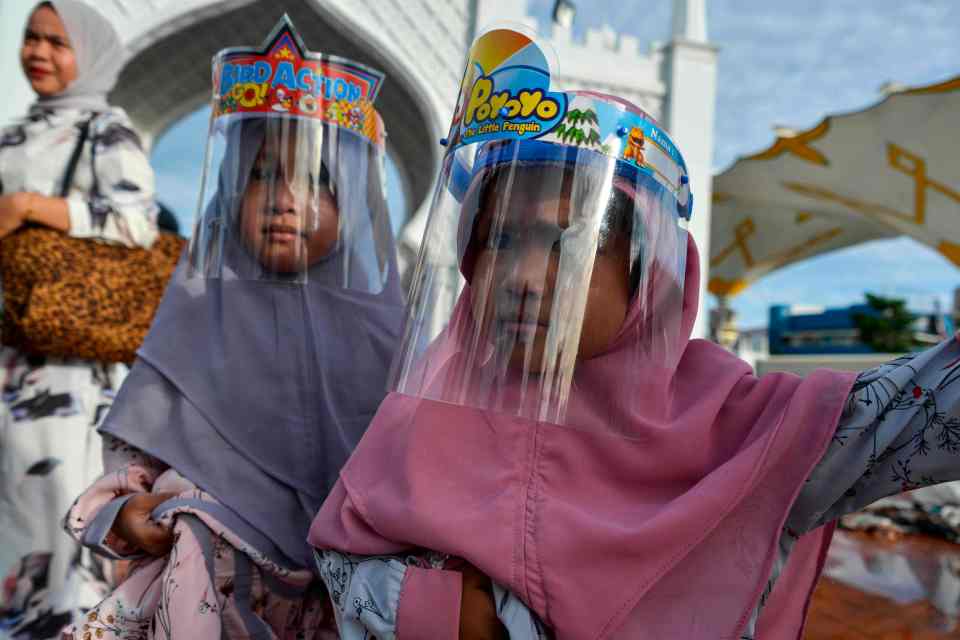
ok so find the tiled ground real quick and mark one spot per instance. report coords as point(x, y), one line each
point(880, 590)
point(840, 612)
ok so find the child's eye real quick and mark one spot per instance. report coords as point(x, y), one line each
point(261, 173)
point(320, 182)
point(501, 241)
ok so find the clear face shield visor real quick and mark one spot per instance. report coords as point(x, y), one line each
point(293, 198)
point(293, 182)
point(563, 256)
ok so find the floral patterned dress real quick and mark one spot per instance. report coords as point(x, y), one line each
point(50, 408)
point(213, 584)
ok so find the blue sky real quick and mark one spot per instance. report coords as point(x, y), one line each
point(781, 63)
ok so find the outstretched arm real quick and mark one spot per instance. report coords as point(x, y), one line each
point(900, 431)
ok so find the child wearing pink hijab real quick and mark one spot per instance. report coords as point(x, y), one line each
point(552, 425)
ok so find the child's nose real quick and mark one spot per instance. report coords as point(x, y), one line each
point(531, 273)
point(284, 198)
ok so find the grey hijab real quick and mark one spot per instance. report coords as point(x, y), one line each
point(258, 391)
point(99, 54)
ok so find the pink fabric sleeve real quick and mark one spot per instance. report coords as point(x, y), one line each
point(342, 518)
point(429, 607)
point(90, 520)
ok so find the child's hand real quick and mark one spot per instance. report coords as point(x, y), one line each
point(136, 527)
point(478, 614)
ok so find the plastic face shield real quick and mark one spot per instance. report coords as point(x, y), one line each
point(545, 255)
point(293, 182)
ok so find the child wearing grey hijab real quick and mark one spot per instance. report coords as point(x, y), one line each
point(247, 396)
point(265, 362)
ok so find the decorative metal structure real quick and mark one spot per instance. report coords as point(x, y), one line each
point(884, 171)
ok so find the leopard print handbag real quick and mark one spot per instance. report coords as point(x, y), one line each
point(80, 298)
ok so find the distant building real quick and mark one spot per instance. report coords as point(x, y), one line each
point(808, 331)
point(802, 339)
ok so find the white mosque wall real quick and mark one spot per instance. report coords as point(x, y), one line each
point(689, 117)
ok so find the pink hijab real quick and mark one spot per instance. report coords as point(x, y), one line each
point(643, 520)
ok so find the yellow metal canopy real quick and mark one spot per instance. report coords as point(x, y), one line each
point(888, 170)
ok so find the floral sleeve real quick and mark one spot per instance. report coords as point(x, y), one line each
point(899, 431)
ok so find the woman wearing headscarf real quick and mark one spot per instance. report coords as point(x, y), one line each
point(266, 360)
point(49, 409)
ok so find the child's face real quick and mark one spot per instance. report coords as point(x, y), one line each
point(517, 266)
point(289, 217)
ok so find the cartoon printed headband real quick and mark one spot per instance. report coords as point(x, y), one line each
point(284, 78)
point(505, 95)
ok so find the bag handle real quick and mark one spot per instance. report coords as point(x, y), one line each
point(75, 157)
